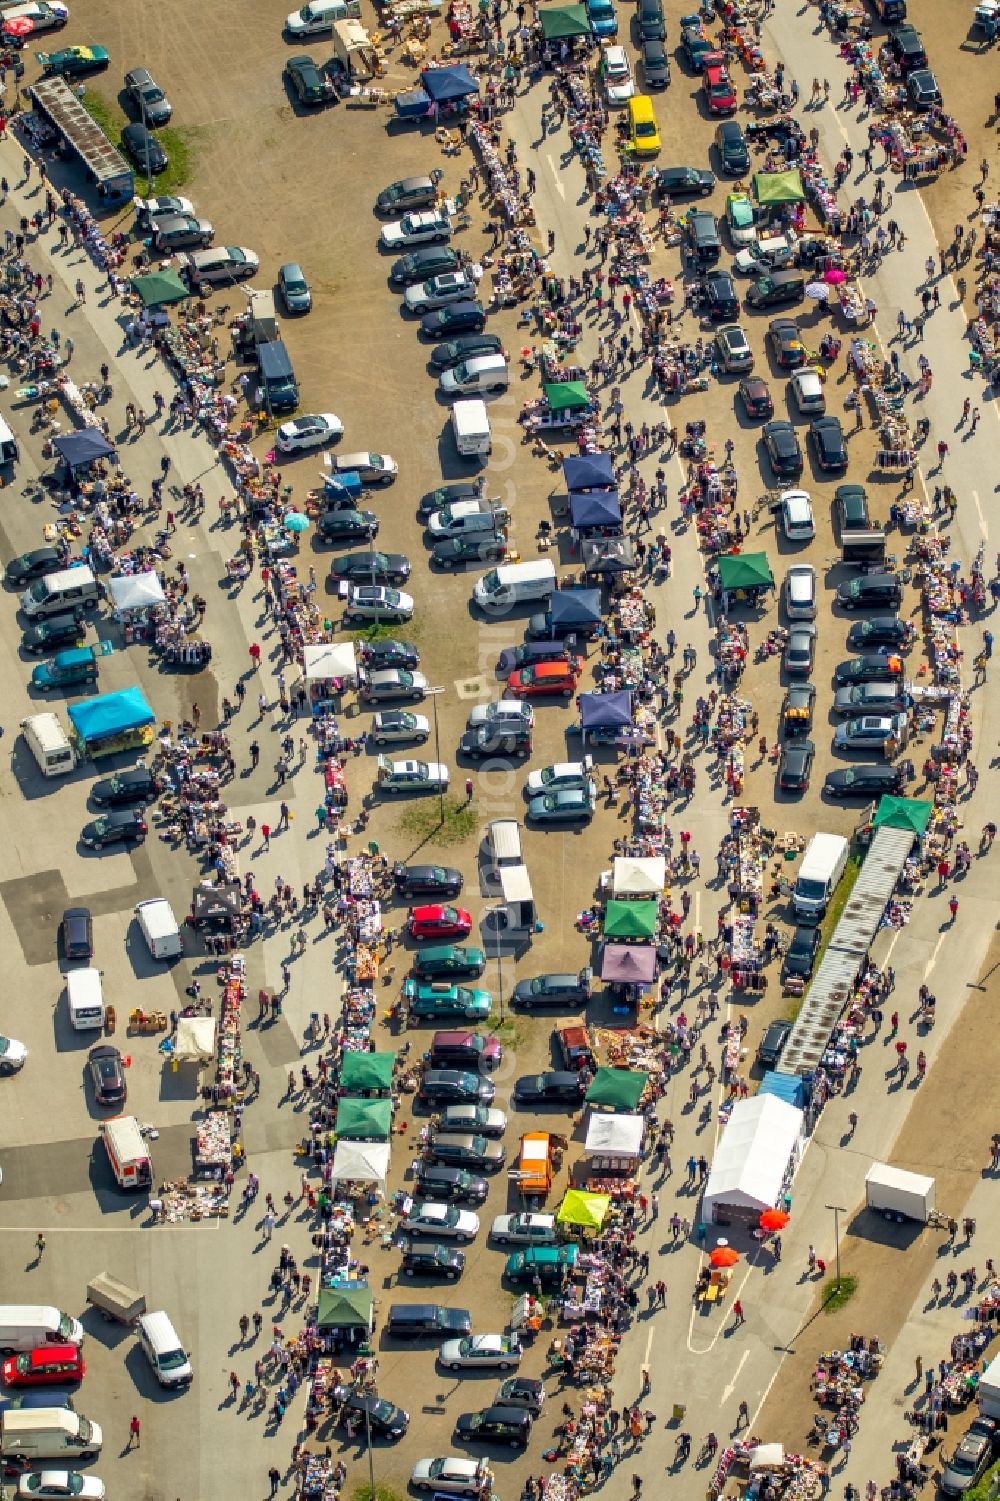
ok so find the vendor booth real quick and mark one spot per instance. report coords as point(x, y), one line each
point(135, 595)
point(755, 1161)
point(564, 22)
point(743, 578)
point(579, 607)
point(608, 557)
point(158, 288)
point(367, 1073)
point(112, 722)
point(618, 1089)
point(630, 920)
point(348, 1310)
point(613, 1144)
point(364, 1120)
point(594, 471)
point(81, 449)
point(595, 511)
point(604, 716)
point(584, 1211)
point(194, 1040)
point(628, 964)
point(328, 667)
point(360, 1162)
point(634, 877)
point(219, 909)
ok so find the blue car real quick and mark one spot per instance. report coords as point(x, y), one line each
point(603, 17)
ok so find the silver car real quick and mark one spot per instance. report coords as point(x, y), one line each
point(397, 726)
point(870, 732)
point(392, 683)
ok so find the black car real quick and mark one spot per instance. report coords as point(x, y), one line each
point(655, 64)
point(850, 507)
point(521, 1391)
point(528, 654)
point(34, 565)
point(427, 880)
point(367, 1409)
point(120, 826)
point(497, 739)
point(451, 1185)
point(372, 568)
point(144, 149)
point(420, 1260)
point(731, 144)
point(448, 495)
point(458, 1149)
point(77, 932)
point(562, 1088)
point(466, 347)
point(347, 526)
point(377, 655)
point(880, 630)
point(679, 182)
point(863, 781)
point(922, 87)
point(477, 547)
point(797, 710)
point(800, 956)
point(107, 1075)
point(456, 318)
point(652, 27)
point(797, 758)
point(871, 667)
point(782, 447)
point(58, 630)
point(137, 785)
point(310, 86)
point(827, 438)
point(422, 264)
point(871, 591)
point(772, 1044)
point(756, 395)
point(718, 295)
point(455, 1086)
point(505, 1425)
point(560, 991)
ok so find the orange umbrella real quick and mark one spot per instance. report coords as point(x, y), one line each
point(774, 1219)
point(724, 1256)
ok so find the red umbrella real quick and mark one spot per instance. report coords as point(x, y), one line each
point(20, 26)
point(774, 1219)
point(724, 1256)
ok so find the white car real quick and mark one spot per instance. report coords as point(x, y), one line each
point(412, 776)
point(618, 84)
point(480, 1352)
point(309, 432)
point(562, 774)
point(772, 253)
point(451, 1475)
point(797, 516)
point(397, 725)
point(13, 1055)
point(442, 1220)
point(502, 710)
point(524, 1229)
point(58, 1483)
point(393, 683)
point(416, 229)
point(439, 291)
point(148, 209)
point(807, 388)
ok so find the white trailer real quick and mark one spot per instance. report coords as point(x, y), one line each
point(899, 1195)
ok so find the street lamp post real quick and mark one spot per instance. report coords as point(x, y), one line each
point(838, 1210)
point(497, 913)
point(432, 693)
point(371, 1455)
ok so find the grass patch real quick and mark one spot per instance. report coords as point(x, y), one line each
point(827, 927)
point(984, 1491)
point(507, 1031)
point(422, 821)
point(838, 1293)
point(178, 142)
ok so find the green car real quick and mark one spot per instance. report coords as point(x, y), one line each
point(78, 665)
point(436, 1001)
point(547, 1263)
point(71, 62)
point(450, 960)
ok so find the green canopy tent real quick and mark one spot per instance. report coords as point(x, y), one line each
point(772, 189)
point(585, 1211)
point(340, 1309)
point(364, 1120)
point(630, 920)
point(745, 570)
point(618, 1088)
point(903, 813)
point(367, 1073)
point(566, 395)
point(160, 287)
point(564, 21)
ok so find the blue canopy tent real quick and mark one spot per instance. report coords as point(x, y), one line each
point(445, 85)
point(605, 711)
point(593, 471)
point(788, 1087)
point(595, 508)
point(110, 714)
point(79, 449)
point(414, 104)
point(581, 607)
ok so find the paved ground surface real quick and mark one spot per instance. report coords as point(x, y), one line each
point(297, 187)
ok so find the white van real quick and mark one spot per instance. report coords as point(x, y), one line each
point(65, 590)
point(49, 743)
point(486, 373)
point(503, 839)
point(85, 999)
point(164, 1351)
point(29, 1326)
point(9, 453)
point(319, 15)
point(819, 874)
point(470, 423)
point(49, 1433)
point(127, 1152)
point(514, 584)
point(159, 928)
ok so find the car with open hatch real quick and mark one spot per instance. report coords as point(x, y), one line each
point(784, 340)
point(870, 667)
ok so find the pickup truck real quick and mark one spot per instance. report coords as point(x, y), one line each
point(77, 665)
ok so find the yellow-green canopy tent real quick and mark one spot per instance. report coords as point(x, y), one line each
point(585, 1210)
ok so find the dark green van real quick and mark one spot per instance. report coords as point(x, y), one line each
point(548, 1263)
point(449, 961)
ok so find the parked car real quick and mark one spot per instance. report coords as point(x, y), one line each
point(427, 880)
point(872, 667)
point(372, 567)
point(456, 318)
point(166, 206)
point(431, 227)
point(53, 1485)
point(58, 630)
point(772, 1043)
point(438, 922)
point(181, 231)
point(477, 547)
point(827, 438)
point(871, 591)
point(800, 649)
point(146, 96)
point(567, 805)
point(797, 710)
point(396, 777)
point(850, 508)
point(870, 732)
point(923, 89)
point(312, 431)
point(393, 726)
point(34, 565)
point(796, 763)
point(408, 193)
point(800, 956)
point(655, 64)
point(616, 75)
point(807, 390)
point(682, 182)
point(718, 295)
point(144, 149)
point(392, 684)
point(548, 1264)
point(457, 352)
point(375, 602)
point(454, 1086)
point(418, 1260)
point(77, 933)
point(524, 1229)
point(545, 678)
point(450, 1184)
point(863, 781)
point(733, 347)
point(294, 288)
point(73, 62)
point(496, 739)
point(785, 342)
point(783, 451)
point(120, 826)
point(443, 1220)
point(439, 291)
point(562, 774)
point(878, 630)
point(309, 82)
point(652, 26)
point(347, 525)
point(443, 1001)
point(521, 1391)
point(972, 1454)
point(50, 1365)
point(386, 652)
point(552, 1088)
point(756, 396)
point(505, 1425)
point(731, 144)
point(223, 263)
point(480, 1120)
point(451, 1476)
point(450, 961)
point(563, 991)
point(13, 1056)
point(419, 265)
point(107, 1076)
point(741, 219)
point(529, 654)
point(480, 1352)
point(796, 509)
point(363, 1408)
point(871, 698)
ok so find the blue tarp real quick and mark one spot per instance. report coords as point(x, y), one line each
point(599, 711)
point(595, 471)
point(595, 508)
point(412, 104)
point(110, 714)
point(787, 1087)
point(446, 84)
point(79, 449)
point(580, 606)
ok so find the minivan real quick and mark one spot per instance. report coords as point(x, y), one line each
point(465, 1050)
point(482, 375)
point(164, 1351)
point(65, 590)
point(907, 47)
point(776, 290)
point(703, 236)
point(514, 583)
point(420, 1320)
point(643, 131)
point(822, 866)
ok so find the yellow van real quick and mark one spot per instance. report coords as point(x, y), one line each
point(643, 131)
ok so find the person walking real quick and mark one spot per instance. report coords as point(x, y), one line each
point(739, 1317)
point(274, 1477)
point(134, 1434)
point(39, 1246)
point(743, 1415)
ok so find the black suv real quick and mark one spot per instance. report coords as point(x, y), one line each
point(850, 506)
point(505, 1425)
point(731, 144)
point(800, 955)
point(718, 296)
point(438, 881)
point(907, 47)
point(652, 27)
point(451, 1185)
point(772, 1043)
point(872, 590)
point(420, 1260)
point(502, 738)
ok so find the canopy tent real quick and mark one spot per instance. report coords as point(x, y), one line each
point(194, 1040)
point(619, 1088)
point(79, 449)
point(788, 1087)
point(614, 1136)
point(585, 1210)
point(774, 188)
point(361, 1162)
point(745, 570)
point(767, 1457)
point(217, 904)
point(604, 711)
point(630, 919)
point(329, 660)
point(110, 714)
point(610, 555)
point(564, 21)
point(631, 876)
point(361, 1073)
point(582, 606)
point(160, 287)
point(595, 508)
point(566, 395)
point(339, 1308)
point(364, 1120)
point(628, 963)
point(903, 813)
point(594, 471)
point(136, 591)
point(757, 1151)
point(445, 84)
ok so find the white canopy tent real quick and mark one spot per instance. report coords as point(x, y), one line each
point(194, 1041)
point(136, 591)
point(329, 660)
point(614, 1135)
point(767, 1457)
point(361, 1162)
point(635, 877)
point(757, 1154)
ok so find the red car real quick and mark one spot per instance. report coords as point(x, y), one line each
point(52, 1365)
point(544, 678)
point(720, 96)
point(439, 922)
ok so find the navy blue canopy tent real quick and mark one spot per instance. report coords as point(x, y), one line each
point(79, 449)
point(446, 84)
point(605, 711)
point(595, 508)
point(580, 607)
point(593, 471)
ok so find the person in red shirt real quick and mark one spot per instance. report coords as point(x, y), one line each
point(739, 1316)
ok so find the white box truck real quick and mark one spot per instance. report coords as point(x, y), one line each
point(49, 743)
point(49, 1433)
point(470, 422)
point(988, 1390)
point(85, 999)
point(821, 869)
point(898, 1194)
